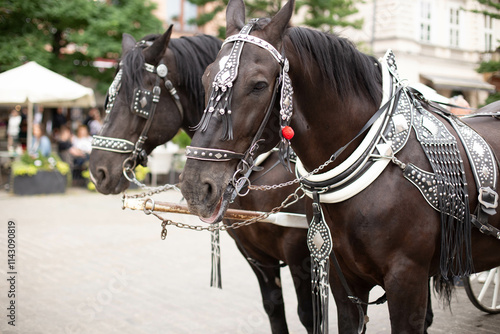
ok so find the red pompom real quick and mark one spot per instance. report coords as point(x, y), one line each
point(287, 132)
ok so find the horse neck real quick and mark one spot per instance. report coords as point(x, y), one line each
point(323, 121)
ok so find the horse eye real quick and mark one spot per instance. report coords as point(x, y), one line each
point(259, 86)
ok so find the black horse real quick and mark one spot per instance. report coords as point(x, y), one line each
point(180, 105)
point(386, 163)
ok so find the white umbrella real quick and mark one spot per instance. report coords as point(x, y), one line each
point(31, 83)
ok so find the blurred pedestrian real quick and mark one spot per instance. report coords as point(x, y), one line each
point(461, 106)
point(58, 120)
point(80, 151)
point(81, 146)
point(13, 129)
point(95, 122)
point(64, 143)
point(23, 132)
point(41, 143)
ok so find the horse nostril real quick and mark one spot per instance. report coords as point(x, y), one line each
point(101, 174)
point(210, 188)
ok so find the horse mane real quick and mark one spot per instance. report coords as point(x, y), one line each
point(131, 65)
point(192, 55)
point(346, 69)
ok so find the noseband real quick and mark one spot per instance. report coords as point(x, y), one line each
point(220, 103)
point(143, 105)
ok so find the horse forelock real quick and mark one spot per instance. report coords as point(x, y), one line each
point(132, 66)
point(192, 55)
point(347, 70)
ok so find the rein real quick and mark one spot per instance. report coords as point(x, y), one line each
point(143, 105)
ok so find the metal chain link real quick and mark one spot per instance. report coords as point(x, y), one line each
point(294, 181)
point(291, 199)
point(150, 191)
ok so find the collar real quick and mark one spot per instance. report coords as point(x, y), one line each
point(386, 136)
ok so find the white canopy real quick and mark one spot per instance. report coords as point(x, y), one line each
point(31, 83)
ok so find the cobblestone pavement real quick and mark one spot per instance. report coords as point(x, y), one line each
point(86, 266)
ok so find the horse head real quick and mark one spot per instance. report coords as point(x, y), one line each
point(134, 123)
point(225, 142)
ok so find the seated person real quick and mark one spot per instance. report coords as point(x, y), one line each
point(40, 144)
point(64, 143)
point(81, 147)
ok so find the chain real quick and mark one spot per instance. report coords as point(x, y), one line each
point(149, 191)
point(294, 181)
point(291, 199)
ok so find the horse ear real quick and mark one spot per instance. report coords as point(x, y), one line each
point(276, 28)
point(235, 17)
point(128, 42)
point(157, 50)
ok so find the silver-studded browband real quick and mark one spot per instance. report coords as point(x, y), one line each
point(257, 41)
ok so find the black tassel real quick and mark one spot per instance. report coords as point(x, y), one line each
point(205, 120)
point(319, 242)
point(225, 113)
point(284, 154)
point(227, 126)
point(208, 112)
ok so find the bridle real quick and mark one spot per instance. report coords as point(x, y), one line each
point(143, 105)
point(220, 103)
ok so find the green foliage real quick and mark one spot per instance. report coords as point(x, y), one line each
point(182, 139)
point(68, 35)
point(492, 98)
point(324, 14)
point(29, 165)
point(141, 172)
point(491, 5)
point(488, 66)
point(327, 14)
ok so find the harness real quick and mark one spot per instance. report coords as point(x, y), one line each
point(219, 105)
point(143, 105)
point(388, 131)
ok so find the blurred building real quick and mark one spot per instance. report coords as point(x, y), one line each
point(180, 13)
point(436, 42)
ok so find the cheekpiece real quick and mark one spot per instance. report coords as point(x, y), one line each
point(286, 104)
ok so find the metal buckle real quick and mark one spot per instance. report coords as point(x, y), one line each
point(488, 197)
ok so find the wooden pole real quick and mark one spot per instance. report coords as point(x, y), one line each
point(280, 218)
point(147, 204)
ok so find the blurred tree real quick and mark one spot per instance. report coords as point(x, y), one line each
point(328, 14)
point(324, 14)
point(492, 8)
point(68, 35)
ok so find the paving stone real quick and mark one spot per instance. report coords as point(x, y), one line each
point(87, 266)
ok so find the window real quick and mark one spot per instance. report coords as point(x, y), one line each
point(488, 33)
point(425, 21)
point(180, 12)
point(454, 27)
